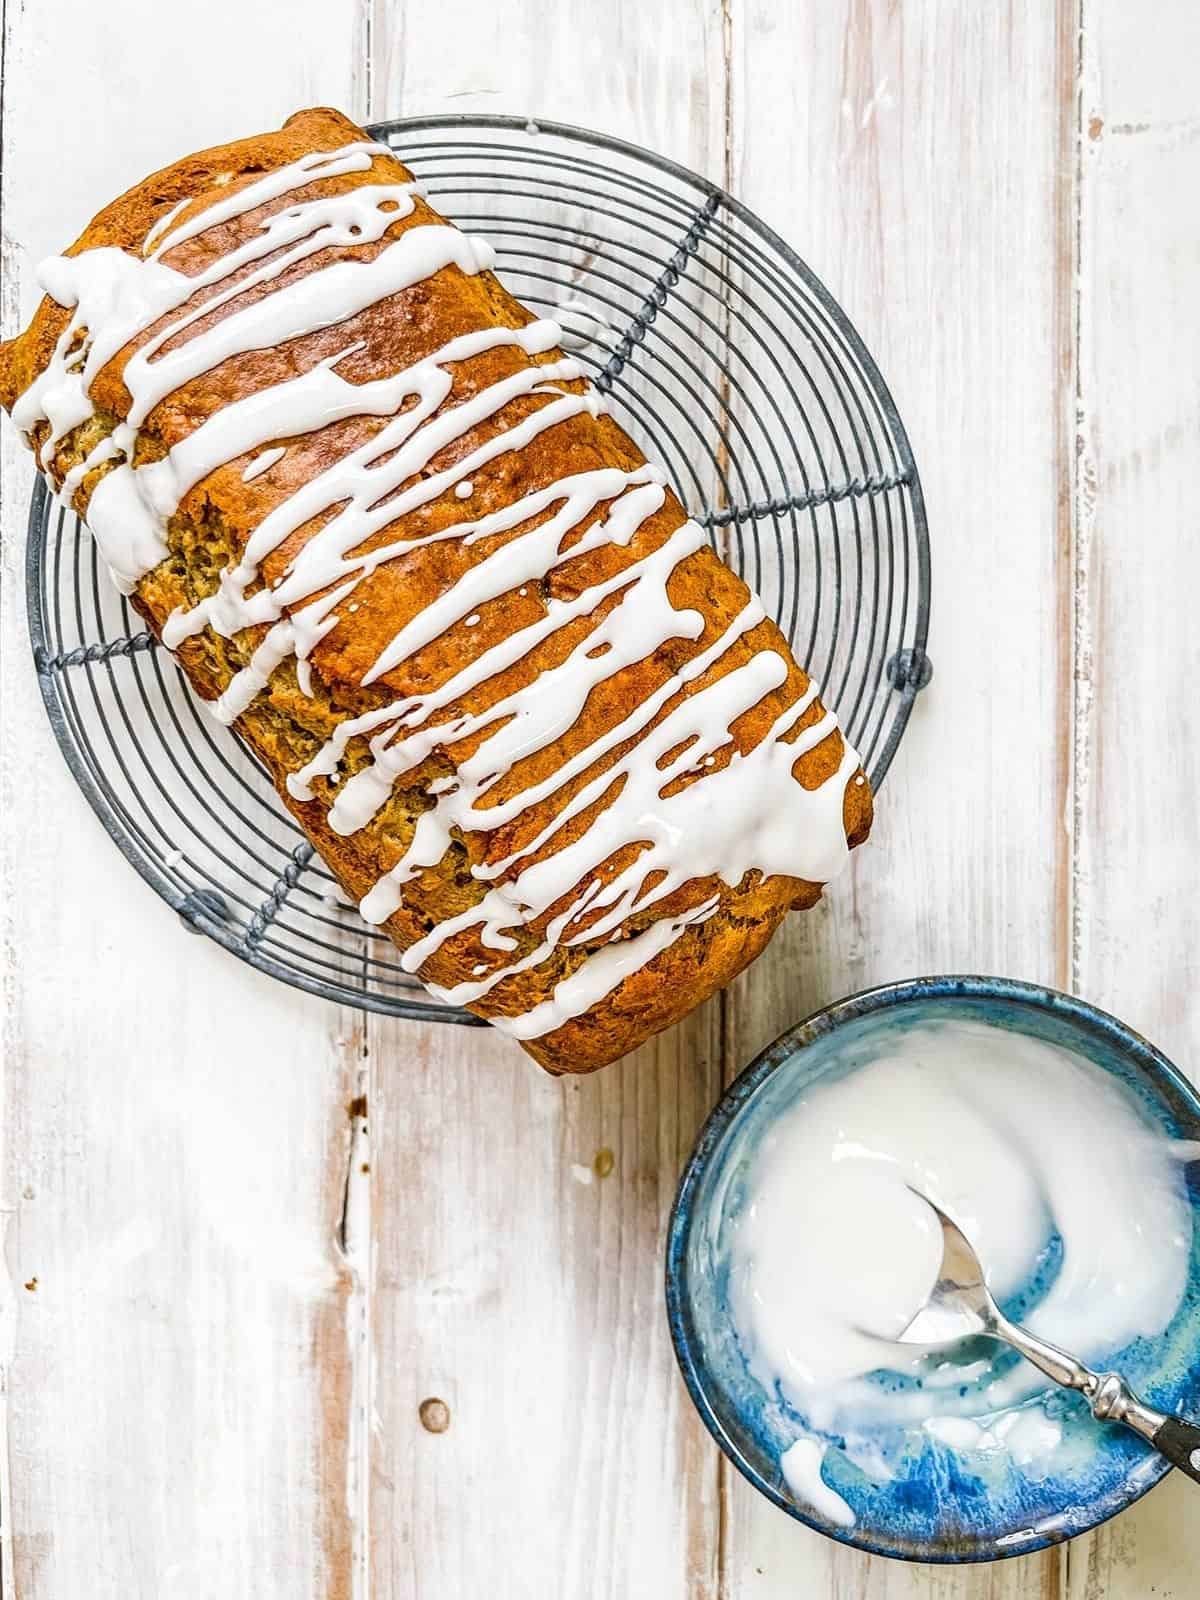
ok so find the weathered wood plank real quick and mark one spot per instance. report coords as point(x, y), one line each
point(1136, 928)
point(203, 1394)
point(174, 1125)
point(517, 1276)
point(918, 158)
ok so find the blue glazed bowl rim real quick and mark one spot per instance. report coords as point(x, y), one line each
point(1138, 1050)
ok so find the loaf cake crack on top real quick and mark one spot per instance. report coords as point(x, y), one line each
point(530, 720)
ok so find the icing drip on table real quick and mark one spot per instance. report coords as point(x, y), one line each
point(684, 800)
point(801, 1468)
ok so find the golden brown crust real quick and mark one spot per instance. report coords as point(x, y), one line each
point(284, 726)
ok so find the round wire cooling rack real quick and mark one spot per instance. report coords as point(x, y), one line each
point(728, 362)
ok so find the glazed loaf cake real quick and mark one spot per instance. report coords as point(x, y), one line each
point(532, 723)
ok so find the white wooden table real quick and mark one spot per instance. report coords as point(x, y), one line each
point(226, 1298)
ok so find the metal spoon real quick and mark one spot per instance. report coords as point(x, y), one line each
point(960, 1305)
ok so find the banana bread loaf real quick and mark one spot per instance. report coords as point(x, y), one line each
point(530, 720)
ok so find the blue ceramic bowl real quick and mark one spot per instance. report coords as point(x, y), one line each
point(936, 1508)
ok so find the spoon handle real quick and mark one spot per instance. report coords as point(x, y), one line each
point(1110, 1398)
point(1046, 1357)
point(1179, 1441)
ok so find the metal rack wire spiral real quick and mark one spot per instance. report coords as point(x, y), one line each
point(722, 355)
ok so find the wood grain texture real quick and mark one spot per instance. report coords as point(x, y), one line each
point(920, 171)
point(1136, 947)
point(174, 1125)
point(249, 1239)
point(528, 1298)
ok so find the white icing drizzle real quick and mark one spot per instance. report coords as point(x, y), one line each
point(130, 543)
point(263, 462)
point(311, 168)
point(732, 812)
point(464, 994)
point(801, 1468)
point(117, 297)
point(364, 482)
point(107, 448)
point(601, 974)
point(532, 717)
point(163, 223)
point(737, 819)
point(413, 712)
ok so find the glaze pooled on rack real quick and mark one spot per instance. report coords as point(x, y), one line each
point(534, 725)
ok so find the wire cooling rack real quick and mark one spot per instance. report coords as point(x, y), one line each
point(723, 356)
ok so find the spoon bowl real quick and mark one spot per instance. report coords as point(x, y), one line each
point(960, 1304)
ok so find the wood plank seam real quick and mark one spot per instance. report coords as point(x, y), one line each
point(8, 1299)
point(8, 1341)
point(190, 1406)
point(1082, 528)
point(1077, 784)
point(354, 1247)
point(355, 1234)
point(723, 1562)
point(359, 1212)
point(1075, 666)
